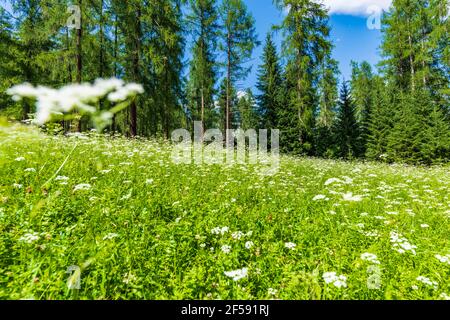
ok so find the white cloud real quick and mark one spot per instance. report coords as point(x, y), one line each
point(356, 7)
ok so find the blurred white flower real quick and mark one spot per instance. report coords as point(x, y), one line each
point(219, 230)
point(370, 257)
point(29, 237)
point(30, 170)
point(443, 259)
point(337, 281)
point(110, 236)
point(82, 97)
point(249, 244)
point(82, 187)
point(237, 275)
point(401, 244)
point(225, 249)
point(427, 282)
point(350, 197)
point(19, 159)
point(319, 197)
point(272, 292)
point(290, 245)
point(332, 180)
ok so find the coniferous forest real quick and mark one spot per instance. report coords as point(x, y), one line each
point(396, 111)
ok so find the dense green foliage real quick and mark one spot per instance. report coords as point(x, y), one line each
point(141, 227)
point(402, 108)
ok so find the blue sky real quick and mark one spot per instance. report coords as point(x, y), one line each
point(352, 39)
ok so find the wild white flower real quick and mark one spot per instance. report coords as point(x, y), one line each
point(82, 187)
point(20, 159)
point(125, 92)
point(105, 171)
point(427, 282)
point(62, 178)
point(129, 278)
point(110, 236)
point(372, 258)
point(237, 275)
point(203, 245)
point(220, 230)
point(290, 245)
point(350, 197)
point(424, 226)
point(401, 244)
point(17, 186)
point(30, 237)
point(332, 180)
point(74, 96)
point(237, 235)
point(444, 296)
point(149, 181)
point(272, 292)
point(225, 249)
point(30, 170)
point(443, 259)
point(249, 244)
point(391, 213)
point(319, 197)
point(364, 214)
point(347, 180)
point(337, 281)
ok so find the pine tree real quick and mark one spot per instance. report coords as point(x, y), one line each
point(248, 116)
point(328, 98)
point(346, 127)
point(270, 83)
point(381, 120)
point(238, 41)
point(362, 87)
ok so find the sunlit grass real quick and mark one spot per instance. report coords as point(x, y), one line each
point(141, 227)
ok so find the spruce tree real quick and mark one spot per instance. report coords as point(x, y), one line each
point(346, 127)
point(269, 84)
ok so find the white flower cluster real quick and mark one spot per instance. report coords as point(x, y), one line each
point(402, 245)
point(110, 236)
point(29, 237)
point(82, 187)
point(350, 197)
point(370, 257)
point(237, 275)
point(427, 282)
point(81, 97)
point(220, 230)
point(443, 259)
point(238, 235)
point(337, 281)
point(226, 249)
point(290, 245)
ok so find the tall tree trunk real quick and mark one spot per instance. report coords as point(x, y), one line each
point(411, 60)
point(116, 42)
point(136, 58)
point(101, 35)
point(228, 104)
point(79, 54)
